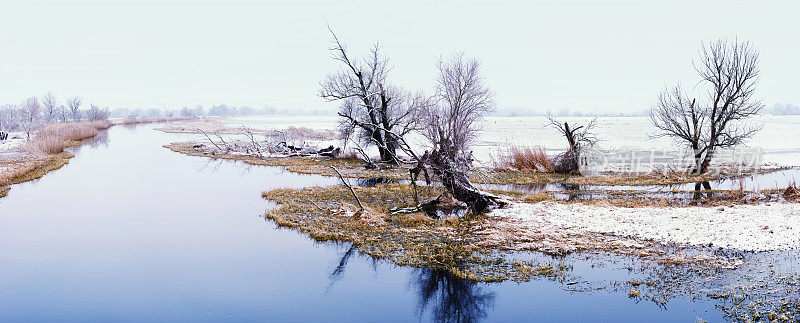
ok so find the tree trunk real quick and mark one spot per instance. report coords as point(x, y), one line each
point(457, 184)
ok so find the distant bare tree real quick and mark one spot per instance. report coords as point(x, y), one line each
point(74, 104)
point(462, 99)
point(580, 138)
point(729, 72)
point(50, 107)
point(96, 113)
point(186, 112)
point(372, 111)
point(63, 113)
point(31, 115)
point(8, 117)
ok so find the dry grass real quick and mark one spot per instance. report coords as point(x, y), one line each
point(523, 158)
point(44, 152)
point(410, 239)
point(353, 167)
point(350, 167)
point(792, 193)
point(55, 137)
point(30, 168)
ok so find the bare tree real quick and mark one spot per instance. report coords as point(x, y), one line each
point(74, 104)
point(63, 113)
point(729, 72)
point(372, 111)
point(580, 138)
point(462, 99)
point(96, 113)
point(8, 117)
point(50, 107)
point(31, 115)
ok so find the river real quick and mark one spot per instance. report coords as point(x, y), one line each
point(130, 231)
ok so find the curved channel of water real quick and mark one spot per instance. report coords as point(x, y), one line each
point(130, 231)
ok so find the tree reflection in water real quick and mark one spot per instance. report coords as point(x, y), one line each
point(449, 298)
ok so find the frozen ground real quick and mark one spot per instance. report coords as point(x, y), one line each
point(10, 146)
point(774, 226)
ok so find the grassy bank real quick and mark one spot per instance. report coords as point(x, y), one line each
point(452, 244)
point(45, 152)
point(355, 168)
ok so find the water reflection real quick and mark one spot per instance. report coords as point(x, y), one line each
point(449, 298)
point(100, 140)
point(370, 182)
point(700, 188)
point(446, 297)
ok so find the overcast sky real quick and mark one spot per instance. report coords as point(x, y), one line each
point(585, 55)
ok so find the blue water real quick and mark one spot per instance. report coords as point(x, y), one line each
point(130, 231)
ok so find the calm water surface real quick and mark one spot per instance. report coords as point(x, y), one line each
point(130, 231)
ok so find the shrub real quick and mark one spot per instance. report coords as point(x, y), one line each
point(524, 159)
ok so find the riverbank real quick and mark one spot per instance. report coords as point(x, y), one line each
point(24, 159)
point(353, 167)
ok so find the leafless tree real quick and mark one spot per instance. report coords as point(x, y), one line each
point(63, 113)
point(372, 111)
point(580, 138)
point(96, 113)
point(50, 107)
point(8, 117)
point(451, 124)
point(74, 104)
point(31, 115)
point(729, 72)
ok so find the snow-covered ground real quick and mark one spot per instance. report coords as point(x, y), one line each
point(15, 140)
point(774, 226)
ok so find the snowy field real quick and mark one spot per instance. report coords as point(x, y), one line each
point(10, 147)
point(626, 139)
point(764, 227)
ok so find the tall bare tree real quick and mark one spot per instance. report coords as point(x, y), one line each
point(50, 107)
point(372, 111)
point(74, 104)
point(462, 99)
point(729, 75)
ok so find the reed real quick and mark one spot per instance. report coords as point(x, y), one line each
point(523, 158)
point(55, 137)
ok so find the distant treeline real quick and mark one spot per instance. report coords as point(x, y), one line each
point(785, 109)
point(563, 112)
point(215, 110)
point(34, 112)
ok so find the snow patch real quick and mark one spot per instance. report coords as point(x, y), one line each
point(774, 226)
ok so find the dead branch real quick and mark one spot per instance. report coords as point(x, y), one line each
point(360, 206)
point(209, 138)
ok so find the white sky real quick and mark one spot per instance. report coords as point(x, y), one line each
point(586, 55)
